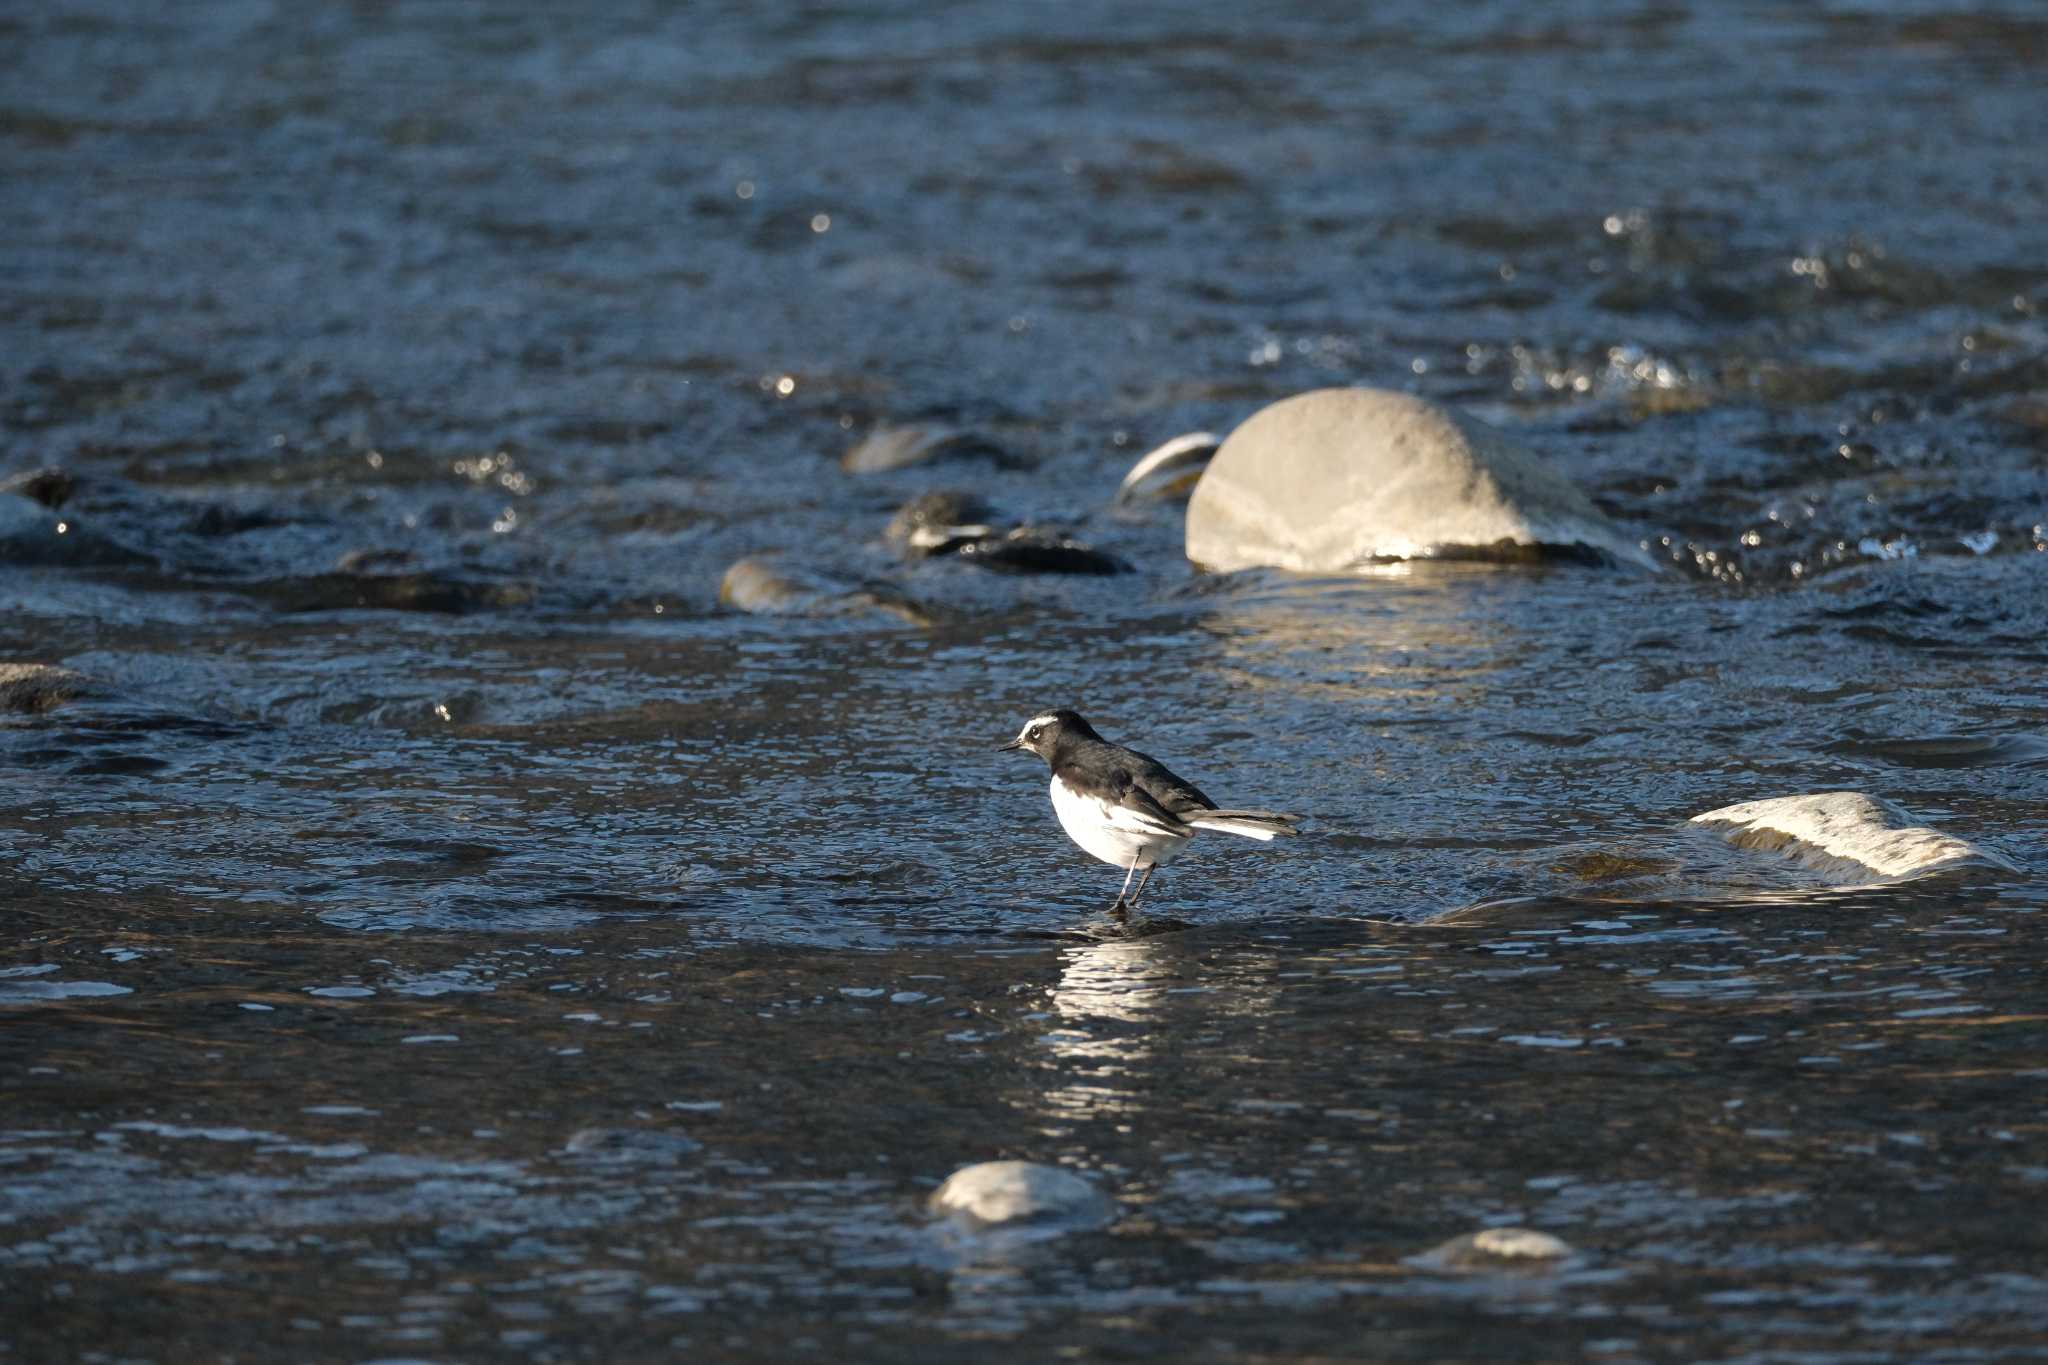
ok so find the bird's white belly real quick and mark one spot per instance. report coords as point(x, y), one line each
point(1111, 833)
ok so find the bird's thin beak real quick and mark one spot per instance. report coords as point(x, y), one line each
point(1013, 744)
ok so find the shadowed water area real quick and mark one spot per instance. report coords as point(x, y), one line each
point(438, 928)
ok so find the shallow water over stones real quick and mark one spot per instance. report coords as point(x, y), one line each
point(437, 928)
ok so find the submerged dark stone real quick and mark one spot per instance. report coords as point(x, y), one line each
point(938, 523)
point(1039, 549)
point(963, 524)
point(52, 487)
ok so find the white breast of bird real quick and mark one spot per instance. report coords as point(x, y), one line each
point(1115, 834)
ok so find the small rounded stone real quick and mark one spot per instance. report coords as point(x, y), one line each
point(1003, 1192)
point(1511, 1249)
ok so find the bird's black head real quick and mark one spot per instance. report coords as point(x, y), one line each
point(1044, 731)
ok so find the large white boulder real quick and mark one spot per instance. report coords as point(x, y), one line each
point(1829, 829)
point(1337, 479)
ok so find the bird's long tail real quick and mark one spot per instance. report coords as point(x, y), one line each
point(1252, 824)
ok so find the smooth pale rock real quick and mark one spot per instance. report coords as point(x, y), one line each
point(1003, 1192)
point(764, 588)
point(1170, 470)
point(1338, 479)
point(1830, 829)
point(36, 688)
point(1511, 1249)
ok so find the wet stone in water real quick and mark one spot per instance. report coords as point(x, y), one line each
point(1171, 470)
point(1040, 549)
point(1515, 1250)
point(1848, 833)
point(937, 523)
point(1338, 479)
point(52, 487)
point(963, 524)
point(34, 688)
point(1001, 1193)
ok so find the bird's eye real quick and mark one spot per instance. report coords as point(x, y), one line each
point(1036, 732)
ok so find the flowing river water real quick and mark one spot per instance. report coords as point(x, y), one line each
point(439, 929)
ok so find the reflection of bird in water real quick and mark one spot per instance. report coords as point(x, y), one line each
point(1125, 807)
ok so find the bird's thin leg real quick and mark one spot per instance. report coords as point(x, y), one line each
point(1141, 884)
point(1127, 885)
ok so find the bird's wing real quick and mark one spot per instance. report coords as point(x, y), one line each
point(1140, 795)
point(1179, 798)
point(1123, 799)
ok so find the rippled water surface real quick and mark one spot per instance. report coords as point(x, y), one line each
point(440, 929)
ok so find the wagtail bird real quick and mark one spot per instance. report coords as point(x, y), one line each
point(1125, 807)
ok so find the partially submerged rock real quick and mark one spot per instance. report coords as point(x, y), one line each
point(938, 523)
point(32, 689)
point(1514, 1250)
point(49, 486)
point(1847, 832)
point(962, 524)
point(1040, 549)
point(1338, 479)
point(899, 447)
point(1005, 1193)
point(759, 585)
point(1170, 470)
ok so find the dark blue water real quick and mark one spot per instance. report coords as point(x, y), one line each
point(412, 375)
